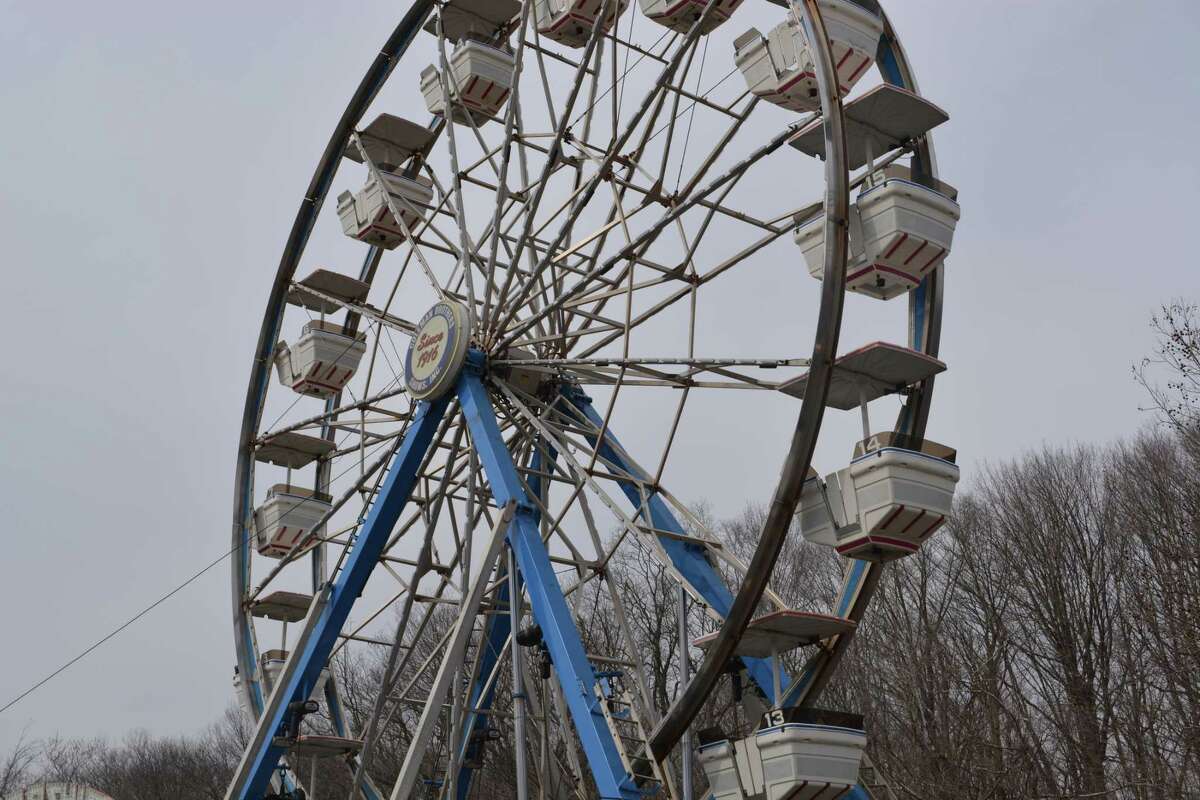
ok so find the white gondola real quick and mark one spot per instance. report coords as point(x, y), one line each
point(365, 214)
point(900, 231)
point(479, 82)
point(272, 663)
point(282, 606)
point(815, 514)
point(322, 360)
point(287, 518)
point(890, 499)
point(901, 498)
point(733, 768)
point(788, 760)
point(805, 762)
point(779, 67)
point(885, 505)
point(782, 631)
point(570, 22)
point(242, 701)
point(481, 19)
point(680, 15)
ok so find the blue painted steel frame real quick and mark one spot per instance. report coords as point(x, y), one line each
point(688, 558)
point(549, 607)
point(349, 583)
point(575, 674)
point(547, 603)
point(494, 638)
point(495, 635)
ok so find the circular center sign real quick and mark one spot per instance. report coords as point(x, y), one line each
point(437, 351)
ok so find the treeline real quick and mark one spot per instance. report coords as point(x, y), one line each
point(1046, 645)
point(139, 767)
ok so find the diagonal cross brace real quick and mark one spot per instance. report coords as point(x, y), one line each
point(495, 638)
point(689, 559)
point(546, 601)
point(331, 608)
point(456, 648)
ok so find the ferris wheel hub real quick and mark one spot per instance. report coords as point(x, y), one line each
point(438, 350)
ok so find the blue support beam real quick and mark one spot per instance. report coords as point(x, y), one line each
point(494, 639)
point(495, 635)
point(549, 607)
point(850, 586)
point(313, 650)
point(690, 559)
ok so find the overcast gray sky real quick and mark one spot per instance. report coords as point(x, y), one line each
point(153, 156)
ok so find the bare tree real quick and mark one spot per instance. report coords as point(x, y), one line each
point(17, 765)
point(1177, 359)
point(66, 760)
point(1044, 646)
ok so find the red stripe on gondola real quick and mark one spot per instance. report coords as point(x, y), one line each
point(888, 519)
point(882, 268)
point(313, 382)
point(896, 246)
point(854, 75)
point(566, 18)
point(795, 80)
point(914, 521)
point(941, 252)
point(924, 244)
point(937, 524)
point(868, 540)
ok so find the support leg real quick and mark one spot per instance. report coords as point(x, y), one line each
point(468, 610)
point(518, 681)
point(685, 741)
point(547, 603)
point(688, 559)
point(331, 607)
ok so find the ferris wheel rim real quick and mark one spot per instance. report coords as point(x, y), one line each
point(925, 320)
point(288, 265)
point(372, 81)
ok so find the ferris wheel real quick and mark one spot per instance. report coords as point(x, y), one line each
point(482, 369)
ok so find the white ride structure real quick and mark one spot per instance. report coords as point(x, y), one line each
point(570, 22)
point(322, 361)
point(288, 518)
point(788, 761)
point(386, 210)
point(477, 85)
point(680, 15)
point(440, 489)
point(899, 231)
point(781, 66)
point(884, 505)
